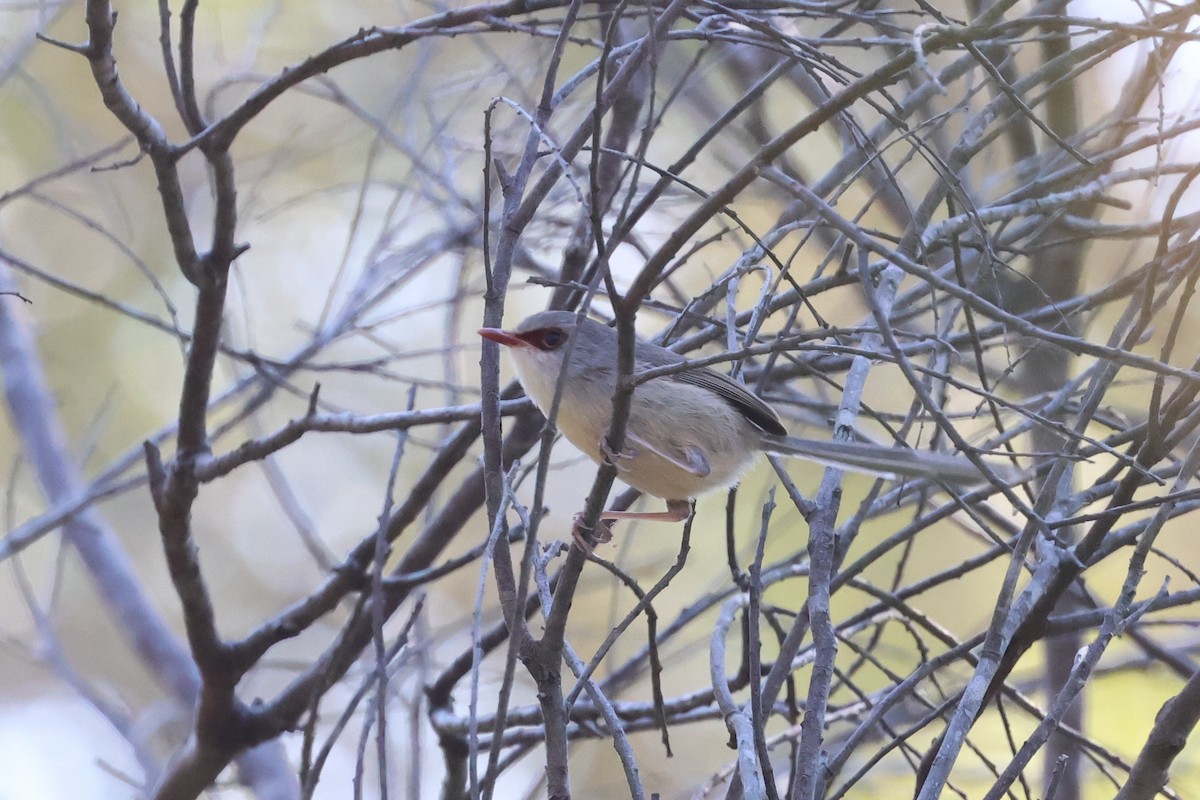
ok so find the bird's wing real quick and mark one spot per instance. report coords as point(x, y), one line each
point(737, 395)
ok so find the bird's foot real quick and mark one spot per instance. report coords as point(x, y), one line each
point(678, 510)
point(614, 458)
point(601, 534)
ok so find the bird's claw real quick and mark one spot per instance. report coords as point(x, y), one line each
point(601, 534)
point(614, 458)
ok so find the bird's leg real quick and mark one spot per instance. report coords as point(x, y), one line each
point(677, 511)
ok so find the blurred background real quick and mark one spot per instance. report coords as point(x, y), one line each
point(361, 197)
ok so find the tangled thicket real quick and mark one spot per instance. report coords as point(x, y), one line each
point(963, 231)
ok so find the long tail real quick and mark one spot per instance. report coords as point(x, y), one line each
point(885, 462)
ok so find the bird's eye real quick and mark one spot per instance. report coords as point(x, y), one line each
point(552, 338)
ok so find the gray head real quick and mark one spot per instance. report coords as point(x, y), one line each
point(595, 344)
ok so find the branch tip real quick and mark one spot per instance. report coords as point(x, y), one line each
point(312, 400)
point(156, 472)
point(81, 49)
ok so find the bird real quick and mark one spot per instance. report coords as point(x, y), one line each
point(688, 432)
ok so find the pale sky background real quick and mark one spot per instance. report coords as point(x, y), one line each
point(117, 383)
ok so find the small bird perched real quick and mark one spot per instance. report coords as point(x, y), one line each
point(688, 432)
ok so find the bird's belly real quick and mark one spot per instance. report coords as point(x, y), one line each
point(681, 440)
point(705, 448)
point(660, 477)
